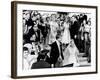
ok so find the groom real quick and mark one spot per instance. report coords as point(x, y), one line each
point(56, 55)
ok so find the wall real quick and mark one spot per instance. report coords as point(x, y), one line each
point(5, 40)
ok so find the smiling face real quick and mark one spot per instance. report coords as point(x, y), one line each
point(26, 15)
point(72, 43)
point(84, 22)
point(59, 37)
point(66, 19)
point(53, 17)
point(26, 53)
point(73, 19)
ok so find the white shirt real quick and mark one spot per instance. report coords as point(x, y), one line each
point(58, 44)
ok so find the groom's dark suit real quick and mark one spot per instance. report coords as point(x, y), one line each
point(55, 52)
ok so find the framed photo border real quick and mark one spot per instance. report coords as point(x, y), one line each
point(14, 38)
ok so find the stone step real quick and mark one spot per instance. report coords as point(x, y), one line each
point(82, 59)
point(82, 64)
point(80, 54)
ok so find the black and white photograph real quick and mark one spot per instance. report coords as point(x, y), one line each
point(55, 39)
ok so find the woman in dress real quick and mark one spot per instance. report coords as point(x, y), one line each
point(87, 29)
point(70, 55)
point(87, 43)
point(66, 34)
point(28, 58)
point(53, 29)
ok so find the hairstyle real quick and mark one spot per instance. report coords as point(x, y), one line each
point(68, 19)
point(47, 18)
point(74, 16)
point(41, 56)
point(58, 34)
point(24, 11)
point(25, 49)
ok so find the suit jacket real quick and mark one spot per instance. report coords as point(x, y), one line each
point(31, 32)
point(40, 64)
point(54, 53)
point(38, 35)
point(74, 29)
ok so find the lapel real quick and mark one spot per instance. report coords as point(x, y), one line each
point(58, 46)
point(36, 33)
point(60, 50)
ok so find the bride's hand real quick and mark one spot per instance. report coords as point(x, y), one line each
point(59, 59)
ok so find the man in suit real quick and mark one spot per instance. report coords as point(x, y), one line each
point(75, 26)
point(74, 30)
point(35, 31)
point(41, 63)
point(56, 55)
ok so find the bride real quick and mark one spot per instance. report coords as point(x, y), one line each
point(66, 34)
point(70, 55)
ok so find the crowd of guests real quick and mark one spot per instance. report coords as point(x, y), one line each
point(55, 39)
